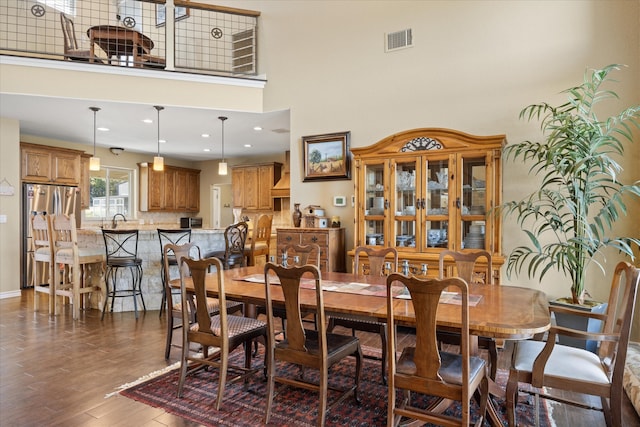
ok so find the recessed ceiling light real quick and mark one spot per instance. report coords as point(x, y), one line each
point(257, 128)
point(207, 149)
point(162, 141)
point(247, 145)
point(205, 135)
point(148, 121)
point(103, 129)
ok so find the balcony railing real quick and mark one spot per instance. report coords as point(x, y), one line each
point(201, 38)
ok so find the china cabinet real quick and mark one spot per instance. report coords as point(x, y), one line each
point(426, 190)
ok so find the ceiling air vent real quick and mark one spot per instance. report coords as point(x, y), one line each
point(398, 40)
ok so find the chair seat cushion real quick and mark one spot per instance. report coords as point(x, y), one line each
point(238, 325)
point(581, 365)
point(335, 342)
point(450, 366)
point(42, 254)
point(631, 378)
point(213, 306)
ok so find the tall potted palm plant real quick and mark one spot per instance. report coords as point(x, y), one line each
point(568, 219)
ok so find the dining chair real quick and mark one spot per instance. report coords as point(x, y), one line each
point(465, 266)
point(424, 368)
point(376, 265)
point(42, 272)
point(192, 251)
point(315, 349)
point(73, 280)
point(223, 331)
point(174, 237)
point(559, 367)
point(71, 48)
point(260, 239)
point(234, 255)
point(121, 247)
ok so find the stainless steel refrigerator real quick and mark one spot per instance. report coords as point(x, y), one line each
point(52, 199)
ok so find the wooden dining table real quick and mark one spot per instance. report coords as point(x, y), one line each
point(502, 312)
point(118, 42)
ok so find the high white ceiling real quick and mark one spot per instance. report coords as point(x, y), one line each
point(182, 128)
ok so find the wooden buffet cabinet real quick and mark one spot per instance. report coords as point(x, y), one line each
point(330, 240)
point(173, 189)
point(252, 184)
point(426, 190)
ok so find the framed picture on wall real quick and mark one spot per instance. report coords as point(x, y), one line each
point(181, 12)
point(326, 157)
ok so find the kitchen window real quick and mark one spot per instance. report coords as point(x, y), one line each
point(110, 193)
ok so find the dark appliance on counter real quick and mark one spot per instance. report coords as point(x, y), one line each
point(52, 199)
point(186, 222)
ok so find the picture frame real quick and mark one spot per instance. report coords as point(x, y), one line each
point(326, 157)
point(180, 12)
point(339, 201)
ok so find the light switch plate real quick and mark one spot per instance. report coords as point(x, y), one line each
point(3, 219)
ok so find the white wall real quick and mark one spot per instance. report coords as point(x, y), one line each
point(10, 206)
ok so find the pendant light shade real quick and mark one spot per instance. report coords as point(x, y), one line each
point(222, 166)
point(158, 161)
point(94, 162)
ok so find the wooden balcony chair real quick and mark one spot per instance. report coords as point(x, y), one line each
point(465, 267)
point(174, 237)
point(223, 330)
point(71, 48)
point(260, 239)
point(565, 368)
point(74, 280)
point(424, 368)
point(42, 274)
point(192, 251)
point(235, 237)
point(315, 349)
point(374, 266)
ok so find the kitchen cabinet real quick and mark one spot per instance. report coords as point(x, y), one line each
point(85, 182)
point(330, 240)
point(252, 184)
point(173, 189)
point(426, 190)
point(50, 165)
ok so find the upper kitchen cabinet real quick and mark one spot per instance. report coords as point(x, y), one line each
point(426, 190)
point(252, 186)
point(173, 189)
point(50, 165)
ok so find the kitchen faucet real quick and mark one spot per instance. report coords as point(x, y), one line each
point(114, 221)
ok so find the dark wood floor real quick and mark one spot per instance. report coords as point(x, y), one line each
point(56, 371)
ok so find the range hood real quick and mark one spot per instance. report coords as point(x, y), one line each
point(282, 188)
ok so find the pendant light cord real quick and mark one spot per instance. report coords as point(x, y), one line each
point(222, 119)
point(95, 110)
point(159, 108)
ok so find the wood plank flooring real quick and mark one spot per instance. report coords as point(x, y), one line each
point(56, 371)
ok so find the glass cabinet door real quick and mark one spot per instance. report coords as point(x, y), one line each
point(406, 203)
point(473, 207)
point(376, 202)
point(436, 203)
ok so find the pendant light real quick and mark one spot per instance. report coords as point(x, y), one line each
point(158, 161)
point(94, 162)
point(222, 166)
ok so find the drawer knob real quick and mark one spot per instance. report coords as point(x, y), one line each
point(314, 239)
point(288, 238)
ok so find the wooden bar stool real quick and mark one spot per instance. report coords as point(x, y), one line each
point(72, 281)
point(42, 262)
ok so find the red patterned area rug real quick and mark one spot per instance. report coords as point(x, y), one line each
point(244, 405)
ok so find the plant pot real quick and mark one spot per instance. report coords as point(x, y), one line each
point(580, 323)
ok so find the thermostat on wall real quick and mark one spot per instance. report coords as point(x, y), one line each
point(339, 201)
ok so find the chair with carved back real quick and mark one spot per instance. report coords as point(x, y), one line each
point(465, 265)
point(422, 368)
point(223, 331)
point(376, 264)
point(260, 239)
point(71, 48)
point(74, 280)
point(235, 237)
point(175, 237)
point(561, 368)
point(42, 272)
point(314, 349)
point(174, 309)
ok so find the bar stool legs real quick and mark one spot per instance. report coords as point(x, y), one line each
point(113, 291)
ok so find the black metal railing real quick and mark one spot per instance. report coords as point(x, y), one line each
point(201, 38)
